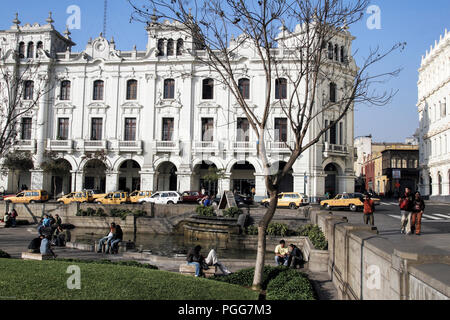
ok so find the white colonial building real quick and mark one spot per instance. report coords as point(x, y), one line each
point(159, 120)
point(434, 115)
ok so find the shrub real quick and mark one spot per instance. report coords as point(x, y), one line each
point(277, 229)
point(4, 255)
point(290, 285)
point(205, 211)
point(232, 212)
point(314, 234)
point(140, 213)
point(252, 230)
point(244, 277)
point(100, 213)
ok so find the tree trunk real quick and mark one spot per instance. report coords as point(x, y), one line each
point(261, 252)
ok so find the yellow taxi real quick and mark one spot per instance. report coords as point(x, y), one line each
point(292, 200)
point(82, 197)
point(352, 201)
point(119, 197)
point(29, 196)
point(96, 194)
point(135, 196)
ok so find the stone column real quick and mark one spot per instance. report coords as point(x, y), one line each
point(184, 181)
point(299, 183)
point(260, 187)
point(316, 186)
point(112, 181)
point(148, 180)
point(445, 182)
point(224, 184)
point(435, 184)
point(77, 180)
point(39, 180)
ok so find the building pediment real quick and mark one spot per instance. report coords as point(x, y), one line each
point(98, 108)
point(64, 108)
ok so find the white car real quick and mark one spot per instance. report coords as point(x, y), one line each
point(163, 197)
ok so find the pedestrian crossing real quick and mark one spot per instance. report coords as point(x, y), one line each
point(426, 217)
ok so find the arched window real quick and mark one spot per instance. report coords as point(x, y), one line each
point(244, 88)
point(39, 46)
point(22, 50)
point(64, 93)
point(132, 89)
point(208, 89)
point(333, 95)
point(99, 87)
point(330, 51)
point(170, 47)
point(280, 88)
point(28, 90)
point(180, 47)
point(30, 50)
point(160, 47)
point(169, 89)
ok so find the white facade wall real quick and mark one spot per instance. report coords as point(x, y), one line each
point(156, 158)
point(434, 115)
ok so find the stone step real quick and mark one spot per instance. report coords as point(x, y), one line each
point(190, 270)
point(35, 256)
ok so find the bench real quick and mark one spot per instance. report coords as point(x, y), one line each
point(190, 270)
point(35, 256)
point(2, 225)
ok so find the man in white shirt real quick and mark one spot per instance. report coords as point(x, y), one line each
point(282, 254)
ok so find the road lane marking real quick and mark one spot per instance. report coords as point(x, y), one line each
point(396, 217)
point(445, 216)
point(431, 217)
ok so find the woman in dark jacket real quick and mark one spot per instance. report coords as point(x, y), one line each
point(194, 258)
point(418, 206)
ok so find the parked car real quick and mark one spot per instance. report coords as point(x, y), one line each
point(120, 197)
point(81, 197)
point(96, 194)
point(352, 201)
point(192, 196)
point(135, 196)
point(29, 196)
point(163, 197)
point(292, 200)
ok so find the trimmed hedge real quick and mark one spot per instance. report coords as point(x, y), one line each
point(205, 211)
point(244, 277)
point(290, 285)
point(314, 234)
point(4, 255)
point(232, 212)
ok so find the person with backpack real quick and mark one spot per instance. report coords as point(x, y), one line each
point(406, 206)
point(417, 212)
point(369, 209)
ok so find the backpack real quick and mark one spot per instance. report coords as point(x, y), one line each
point(404, 204)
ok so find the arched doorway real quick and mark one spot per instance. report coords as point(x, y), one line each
point(95, 175)
point(167, 177)
point(206, 176)
point(243, 177)
point(129, 176)
point(331, 181)
point(61, 177)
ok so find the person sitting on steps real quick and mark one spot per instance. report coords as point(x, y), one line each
point(116, 239)
point(282, 254)
point(212, 260)
point(194, 258)
point(106, 240)
point(295, 257)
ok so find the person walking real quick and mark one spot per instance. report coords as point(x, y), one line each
point(406, 205)
point(13, 216)
point(417, 212)
point(369, 209)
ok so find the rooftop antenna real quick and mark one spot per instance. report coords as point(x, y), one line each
point(105, 17)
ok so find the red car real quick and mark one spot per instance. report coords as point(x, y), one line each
point(192, 196)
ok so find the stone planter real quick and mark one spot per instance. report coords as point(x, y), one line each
point(317, 259)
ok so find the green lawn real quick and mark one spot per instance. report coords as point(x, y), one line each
point(29, 280)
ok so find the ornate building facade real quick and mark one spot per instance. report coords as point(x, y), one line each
point(159, 119)
point(434, 115)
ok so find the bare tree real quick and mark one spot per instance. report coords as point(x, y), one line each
point(291, 40)
point(23, 84)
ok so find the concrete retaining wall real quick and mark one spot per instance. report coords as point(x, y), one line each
point(365, 266)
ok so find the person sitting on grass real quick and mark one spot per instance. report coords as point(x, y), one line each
point(194, 258)
point(35, 245)
point(116, 239)
point(107, 239)
point(46, 249)
point(212, 260)
point(282, 254)
point(295, 256)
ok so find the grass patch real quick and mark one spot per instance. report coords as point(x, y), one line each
point(47, 280)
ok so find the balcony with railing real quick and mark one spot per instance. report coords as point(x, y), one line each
point(243, 146)
point(95, 145)
point(335, 150)
point(26, 145)
point(130, 146)
point(167, 146)
point(279, 146)
point(206, 147)
point(60, 145)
